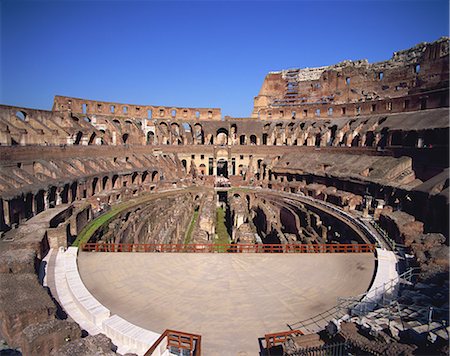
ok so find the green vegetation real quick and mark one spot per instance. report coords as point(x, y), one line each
point(95, 224)
point(221, 230)
point(191, 227)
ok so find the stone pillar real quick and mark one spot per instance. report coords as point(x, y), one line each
point(46, 200)
point(6, 212)
point(379, 208)
point(58, 196)
point(419, 142)
point(367, 205)
point(33, 204)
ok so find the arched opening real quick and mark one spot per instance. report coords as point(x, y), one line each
point(384, 137)
point(104, 182)
point(144, 176)
point(410, 139)
point(264, 138)
point(333, 130)
point(155, 176)
point(150, 138)
point(78, 137)
point(133, 177)
point(28, 205)
point(73, 191)
point(184, 164)
point(396, 138)
point(92, 138)
point(52, 197)
point(94, 185)
point(114, 180)
point(370, 139)
point(202, 169)
point(65, 194)
point(198, 134)
point(39, 202)
point(242, 140)
point(253, 140)
point(125, 138)
point(233, 133)
point(318, 139)
point(222, 136)
point(222, 168)
point(175, 129)
point(356, 140)
point(21, 115)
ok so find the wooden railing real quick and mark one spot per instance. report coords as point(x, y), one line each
point(230, 248)
point(280, 338)
point(176, 341)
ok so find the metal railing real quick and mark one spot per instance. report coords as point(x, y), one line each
point(177, 342)
point(279, 338)
point(359, 304)
point(229, 248)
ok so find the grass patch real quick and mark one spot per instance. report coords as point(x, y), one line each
point(191, 227)
point(221, 230)
point(95, 224)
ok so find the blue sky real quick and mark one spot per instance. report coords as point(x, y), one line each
point(194, 54)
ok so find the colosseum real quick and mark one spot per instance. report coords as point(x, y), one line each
point(319, 225)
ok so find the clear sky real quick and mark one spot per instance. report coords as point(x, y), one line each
point(194, 54)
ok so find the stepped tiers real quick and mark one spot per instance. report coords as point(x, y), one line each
point(352, 157)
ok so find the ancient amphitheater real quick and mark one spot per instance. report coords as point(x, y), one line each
point(318, 225)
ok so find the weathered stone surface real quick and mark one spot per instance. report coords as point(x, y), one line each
point(43, 338)
point(18, 261)
point(350, 332)
point(22, 302)
point(99, 345)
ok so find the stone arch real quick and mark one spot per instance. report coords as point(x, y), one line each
point(125, 137)
point(222, 136)
point(94, 185)
point(318, 139)
point(78, 137)
point(104, 182)
point(356, 141)
point(370, 138)
point(144, 176)
point(114, 180)
point(150, 138)
point(184, 164)
point(92, 138)
point(21, 115)
point(73, 191)
point(253, 140)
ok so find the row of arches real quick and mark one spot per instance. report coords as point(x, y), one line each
point(25, 206)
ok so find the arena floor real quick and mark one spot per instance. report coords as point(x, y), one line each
point(230, 299)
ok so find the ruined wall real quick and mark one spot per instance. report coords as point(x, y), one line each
point(159, 221)
point(79, 106)
point(30, 187)
point(413, 79)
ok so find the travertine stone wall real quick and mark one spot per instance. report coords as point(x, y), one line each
point(413, 79)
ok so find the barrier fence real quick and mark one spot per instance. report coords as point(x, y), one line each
point(279, 338)
point(178, 343)
point(229, 248)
